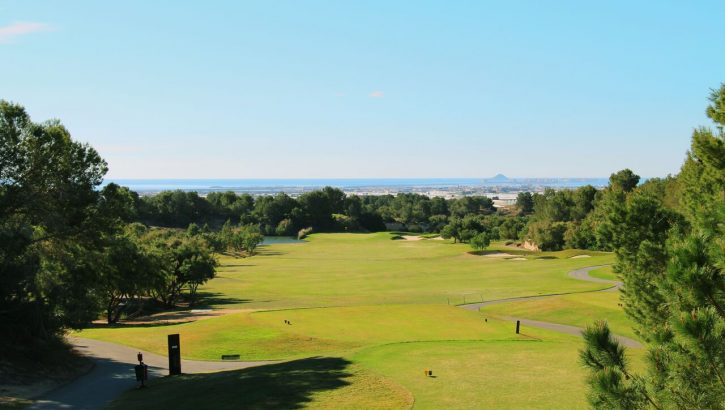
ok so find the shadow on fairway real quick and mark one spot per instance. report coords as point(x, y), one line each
point(207, 299)
point(288, 385)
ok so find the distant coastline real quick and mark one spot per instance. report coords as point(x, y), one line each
point(447, 187)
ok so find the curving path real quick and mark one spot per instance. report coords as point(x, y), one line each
point(113, 374)
point(580, 274)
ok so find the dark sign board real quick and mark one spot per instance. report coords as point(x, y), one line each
point(174, 355)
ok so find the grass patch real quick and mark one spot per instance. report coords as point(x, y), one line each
point(370, 269)
point(475, 375)
point(318, 382)
point(575, 310)
point(208, 339)
point(264, 335)
point(604, 272)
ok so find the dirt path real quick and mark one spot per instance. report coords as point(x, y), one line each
point(580, 274)
point(113, 374)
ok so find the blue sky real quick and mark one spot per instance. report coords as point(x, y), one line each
point(308, 89)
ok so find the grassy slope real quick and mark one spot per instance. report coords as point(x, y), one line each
point(378, 294)
point(576, 310)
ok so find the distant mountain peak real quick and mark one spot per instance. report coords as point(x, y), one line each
point(499, 177)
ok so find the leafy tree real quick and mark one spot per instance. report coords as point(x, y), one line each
point(438, 206)
point(50, 226)
point(353, 207)
point(512, 228)
point(371, 221)
point(452, 230)
point(186, 262)
point(548, 236)
point(480, 241)
point(126, 272)
point(271, 210)
point(471, 205)
point(245, 238)
point(624, 180)
point(525, 203)
point(320, 205)
point(671, 266)
point(583, 202)
point(437, 222)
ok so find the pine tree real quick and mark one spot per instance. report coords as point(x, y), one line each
point(671, 265)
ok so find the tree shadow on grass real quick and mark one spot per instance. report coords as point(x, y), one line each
point(206, 299)
point(288, 385)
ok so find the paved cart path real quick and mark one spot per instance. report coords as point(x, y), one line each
point(580, 274)
point(113, 374)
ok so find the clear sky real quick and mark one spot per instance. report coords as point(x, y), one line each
point(308, 89)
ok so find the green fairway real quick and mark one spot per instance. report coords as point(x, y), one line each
point(371, 269)
point(365, 315)
point(605, 272)
point(576, 310)
point(264, 335)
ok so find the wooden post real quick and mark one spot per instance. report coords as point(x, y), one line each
point(518, 325)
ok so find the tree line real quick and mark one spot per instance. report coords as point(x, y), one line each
point(551, 220)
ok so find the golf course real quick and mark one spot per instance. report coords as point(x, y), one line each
point(354, 321)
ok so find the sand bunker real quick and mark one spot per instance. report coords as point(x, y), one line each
point(580, 256)
point(411, 237)
point(517, 259)
point(498, 255)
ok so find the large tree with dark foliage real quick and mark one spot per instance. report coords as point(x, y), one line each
point(51, 227)
point(671, 265)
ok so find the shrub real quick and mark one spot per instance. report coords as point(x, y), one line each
point(302, 234)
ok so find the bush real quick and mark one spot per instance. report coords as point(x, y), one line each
point(284, 228)
point(302, 234)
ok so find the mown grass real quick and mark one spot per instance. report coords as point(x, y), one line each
point(370, 269)
point(605, 272)
point(575, 310)
point(367, 316)
point(319, 382)
point(265, 335)
point(540, 370)
point(209, 339)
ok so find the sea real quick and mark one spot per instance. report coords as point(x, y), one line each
point(267, 186)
